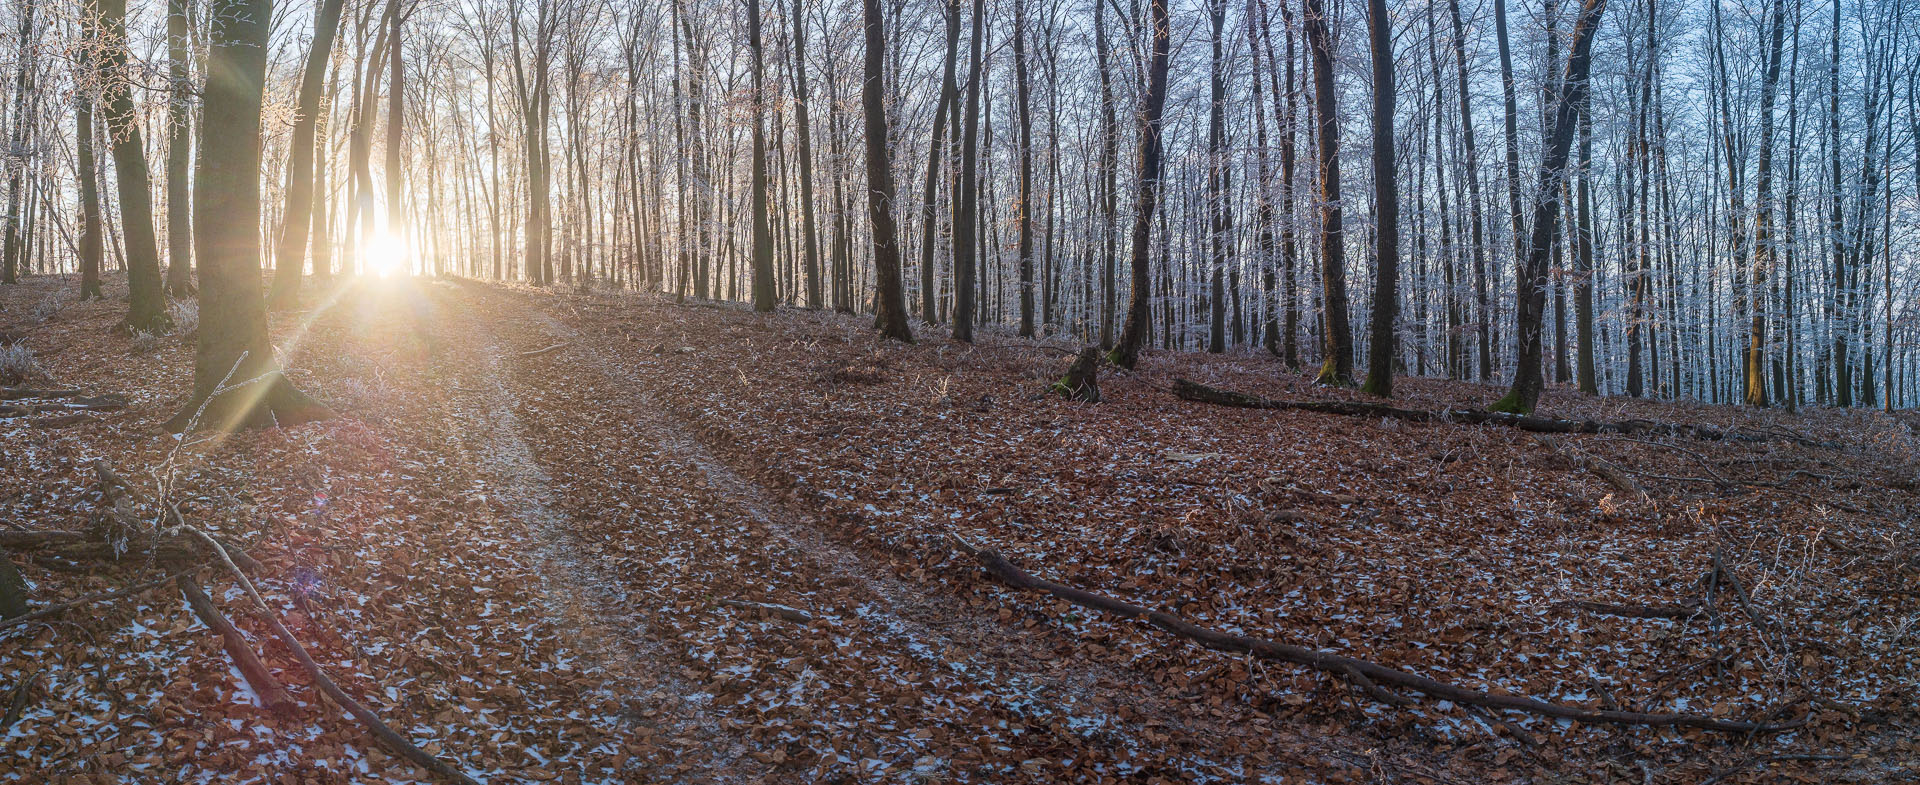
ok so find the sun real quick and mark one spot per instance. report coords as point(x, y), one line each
point(386, 255)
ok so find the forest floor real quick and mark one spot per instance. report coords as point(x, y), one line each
point(534, 540)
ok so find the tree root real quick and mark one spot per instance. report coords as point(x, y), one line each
point(272, 694)
point(1194, 391)
point(1368, 676)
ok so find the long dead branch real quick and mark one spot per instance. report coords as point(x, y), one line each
point(1361, 672)
point(272, 695)
point(392, 740)
point(1194, 391)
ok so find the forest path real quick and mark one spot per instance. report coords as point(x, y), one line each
point(649, 530)
point(575, 587)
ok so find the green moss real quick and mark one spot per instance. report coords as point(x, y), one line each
point(1510, 404)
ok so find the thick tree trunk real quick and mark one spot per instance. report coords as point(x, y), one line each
point(396, 125)
point(1152, 108)
point(890, 302)
point(296, 219)
point(236, 381)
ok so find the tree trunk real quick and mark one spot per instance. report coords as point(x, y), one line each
point(11, 247)
point(890, 301)
point(1573, 90)
point(763, 295)
point(88, 172)
point(966, 203)
point(147, 303)
point(297, 218)
point(809, 228)
point(1337, 367)
point(1152, 107)
point(180, 89)
point(1023, 208)
point(236, 382)
point(1386, 206)
point(1763, 251)
point(1217, 245)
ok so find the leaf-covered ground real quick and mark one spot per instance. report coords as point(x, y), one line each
point(541, 564)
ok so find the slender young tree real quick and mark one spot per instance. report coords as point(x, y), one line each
point(88, 173)
point(1023, 209)
point(180, 90)
point(147, 303)
point(236, 381)
point(1386, 207)
point(937, 152)
point(1217, 240)
point(1531, 281)
point(296, 219)
point(1337, 366)
point(803, 128)
point(966, 203)
point(1763, 249)
point(1483, 323)
point(890, 299)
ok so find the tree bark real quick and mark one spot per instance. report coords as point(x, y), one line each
point(966, 202)
point(1337, 366)
point(236, 381)
point(297, 217)
point(1386, 207)
point(1152, 109)
point(1530, 283)
point(147, 303)
point(179, 151)
point(890, 303)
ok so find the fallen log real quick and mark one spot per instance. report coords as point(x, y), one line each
point(1369, 676)
point(392, 740)
point(1600, 468)
point(272, 695)
point(1194, 391)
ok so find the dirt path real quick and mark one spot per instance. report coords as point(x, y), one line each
point(575, 587)
point(913, 680)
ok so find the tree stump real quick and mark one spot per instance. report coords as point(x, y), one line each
point(1082, 380)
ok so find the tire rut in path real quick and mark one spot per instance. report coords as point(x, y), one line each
point(574, 586)
point(934, 627)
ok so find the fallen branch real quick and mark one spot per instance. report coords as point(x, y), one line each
point(1349, 668)
point(1194, 391)
point(1682, 611)
point(59, 608)
point(787, 612)
point(62, 421)
point(17, 703)
point(272, 695)
point(380, 730)
point(1601, 468)
point(537, 352)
